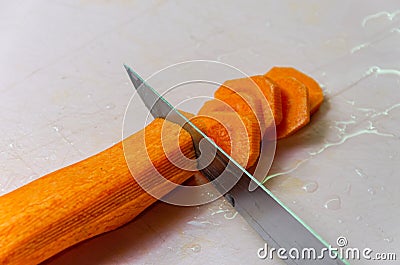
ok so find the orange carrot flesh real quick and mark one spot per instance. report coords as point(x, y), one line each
point(246, 107)
point(242, 103)
point(295, 106)
point(315, 93)
point(239, 136)
point(260, 88)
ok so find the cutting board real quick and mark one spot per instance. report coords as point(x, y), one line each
point(64, 93)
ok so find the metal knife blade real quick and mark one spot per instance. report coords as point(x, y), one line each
point(273, 221)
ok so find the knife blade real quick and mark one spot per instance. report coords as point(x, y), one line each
point(274, 222)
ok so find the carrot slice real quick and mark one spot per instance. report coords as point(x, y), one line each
point(295, 106)
point(238, 136)
point(314, 90)
point(259, 87)
point(242, 103)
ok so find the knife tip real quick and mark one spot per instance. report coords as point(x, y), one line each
point(127, 68)
point(134, 77)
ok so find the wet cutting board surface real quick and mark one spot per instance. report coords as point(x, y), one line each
point(64, 94)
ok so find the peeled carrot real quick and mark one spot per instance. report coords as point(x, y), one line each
point(239, 136)
point(259, 87)
point(90, 197)
point(295, 106)
point(314, 90)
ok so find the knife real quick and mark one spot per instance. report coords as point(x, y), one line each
point(269, 217)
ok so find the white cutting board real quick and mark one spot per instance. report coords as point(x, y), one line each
point(64, 92)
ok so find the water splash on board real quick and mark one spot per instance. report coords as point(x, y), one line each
point(348, 129)
point(359, 47)
point(388, 15)
point(380, 71)
point(370, 130)
point(343, 137)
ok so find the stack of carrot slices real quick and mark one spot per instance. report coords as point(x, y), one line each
point(284, 97)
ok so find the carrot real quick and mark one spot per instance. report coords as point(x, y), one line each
point(259, 87)
point(88, 198)
point(239, 136)
point(242, 103)
point(295, 106)
point(314, 90)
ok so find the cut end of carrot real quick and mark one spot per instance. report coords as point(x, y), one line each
point(315, 93)
point(238, 136)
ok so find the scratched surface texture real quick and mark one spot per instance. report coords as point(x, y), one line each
point(64, 92)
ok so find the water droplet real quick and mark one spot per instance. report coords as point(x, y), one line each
point(218, 211)
point(388, 239)
point(333, 203)
point(371, 191)
point(230, 215)
point(57, 128)
point(360, 173)
point(89, 95)
point(358, 218)
point(324, 87)
point(359, 47)
point(110, 106)
point(340, 221)
point(211, 195)
point(14, 145)
point(196, 248)
point(310, 187)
